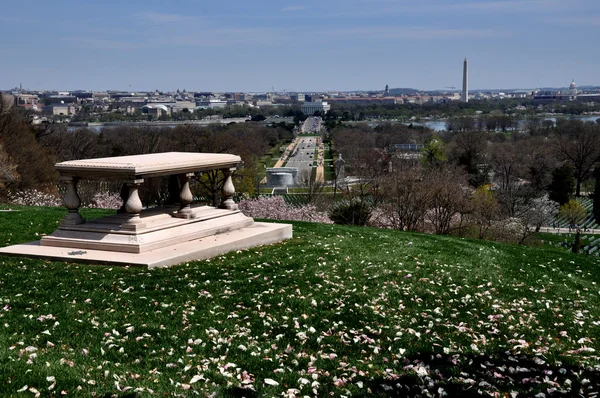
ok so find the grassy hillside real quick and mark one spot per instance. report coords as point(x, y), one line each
point(338, 310)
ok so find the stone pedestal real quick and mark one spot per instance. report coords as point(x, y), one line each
point(72, 202)
point(185, 197)
point(228, 191)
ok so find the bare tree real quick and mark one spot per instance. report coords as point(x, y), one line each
point(447, 197)
point(407, 200)
point(469, 149)
point(8, 170)
point(34, 163)
point(578, 143)
point(314, 188)
point(509, 164)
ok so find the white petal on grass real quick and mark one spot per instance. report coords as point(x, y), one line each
point(271, 382)
point(195, 379)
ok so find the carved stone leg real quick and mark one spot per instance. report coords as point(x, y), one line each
point(228, 191)
point(72, 202)
point(185, 197)
point(133, 206)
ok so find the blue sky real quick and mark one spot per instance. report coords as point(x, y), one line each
point(310, 45)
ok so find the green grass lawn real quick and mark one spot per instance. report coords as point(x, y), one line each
point(334, 311)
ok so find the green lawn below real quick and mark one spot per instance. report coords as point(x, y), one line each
point(336, 310)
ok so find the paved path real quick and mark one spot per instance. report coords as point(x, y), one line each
point(320, 175)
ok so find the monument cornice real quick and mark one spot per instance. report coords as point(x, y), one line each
point(146, 166)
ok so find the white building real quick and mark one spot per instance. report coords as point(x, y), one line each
point(156, 109)
point(573, 88)
point(211, 104)
point(309, 108)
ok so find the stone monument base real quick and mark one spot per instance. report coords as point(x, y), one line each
point(161, 239)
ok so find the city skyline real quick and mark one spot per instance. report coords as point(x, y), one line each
point(298, 46)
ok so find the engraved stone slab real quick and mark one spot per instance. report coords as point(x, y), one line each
point(146, 166)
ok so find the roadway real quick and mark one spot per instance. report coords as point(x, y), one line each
point(312, 125)
point(303, 156)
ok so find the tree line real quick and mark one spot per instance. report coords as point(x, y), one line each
point(521, 108)
point(28, 153)
point(472, 178)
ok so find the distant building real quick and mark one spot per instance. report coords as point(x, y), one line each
point(235, 96)
point(298, 97)
point(386, 93)
point(61, 109)
point(62, 99)
point(364, 101)
point(27, 101)
point(83, 94)
point(156, 110)
point(409, 147)
point(262, 103)
point(183, 106)
point(211, 104)
point(573, 88)
point(543, 97)
point(309, 108)
point(408, 152)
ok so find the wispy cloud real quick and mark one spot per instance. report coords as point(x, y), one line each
point(203, 37)
point(293, 8)
point(107, 44)
point(162, 18)
point(227, 37)
point(417, 32)
point(396, 7)
point(511, 6)
point(575, 21)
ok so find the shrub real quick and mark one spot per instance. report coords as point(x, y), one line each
point(275, 208)
point(33, 197)
point(351, 212)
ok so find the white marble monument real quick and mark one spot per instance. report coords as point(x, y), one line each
point(154, 237)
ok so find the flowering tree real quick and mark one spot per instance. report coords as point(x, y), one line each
point(33, 197)
point(106, 200)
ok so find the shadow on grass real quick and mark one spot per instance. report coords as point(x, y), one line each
point(482, 375)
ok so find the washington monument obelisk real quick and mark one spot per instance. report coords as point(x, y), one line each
point(465, 91)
